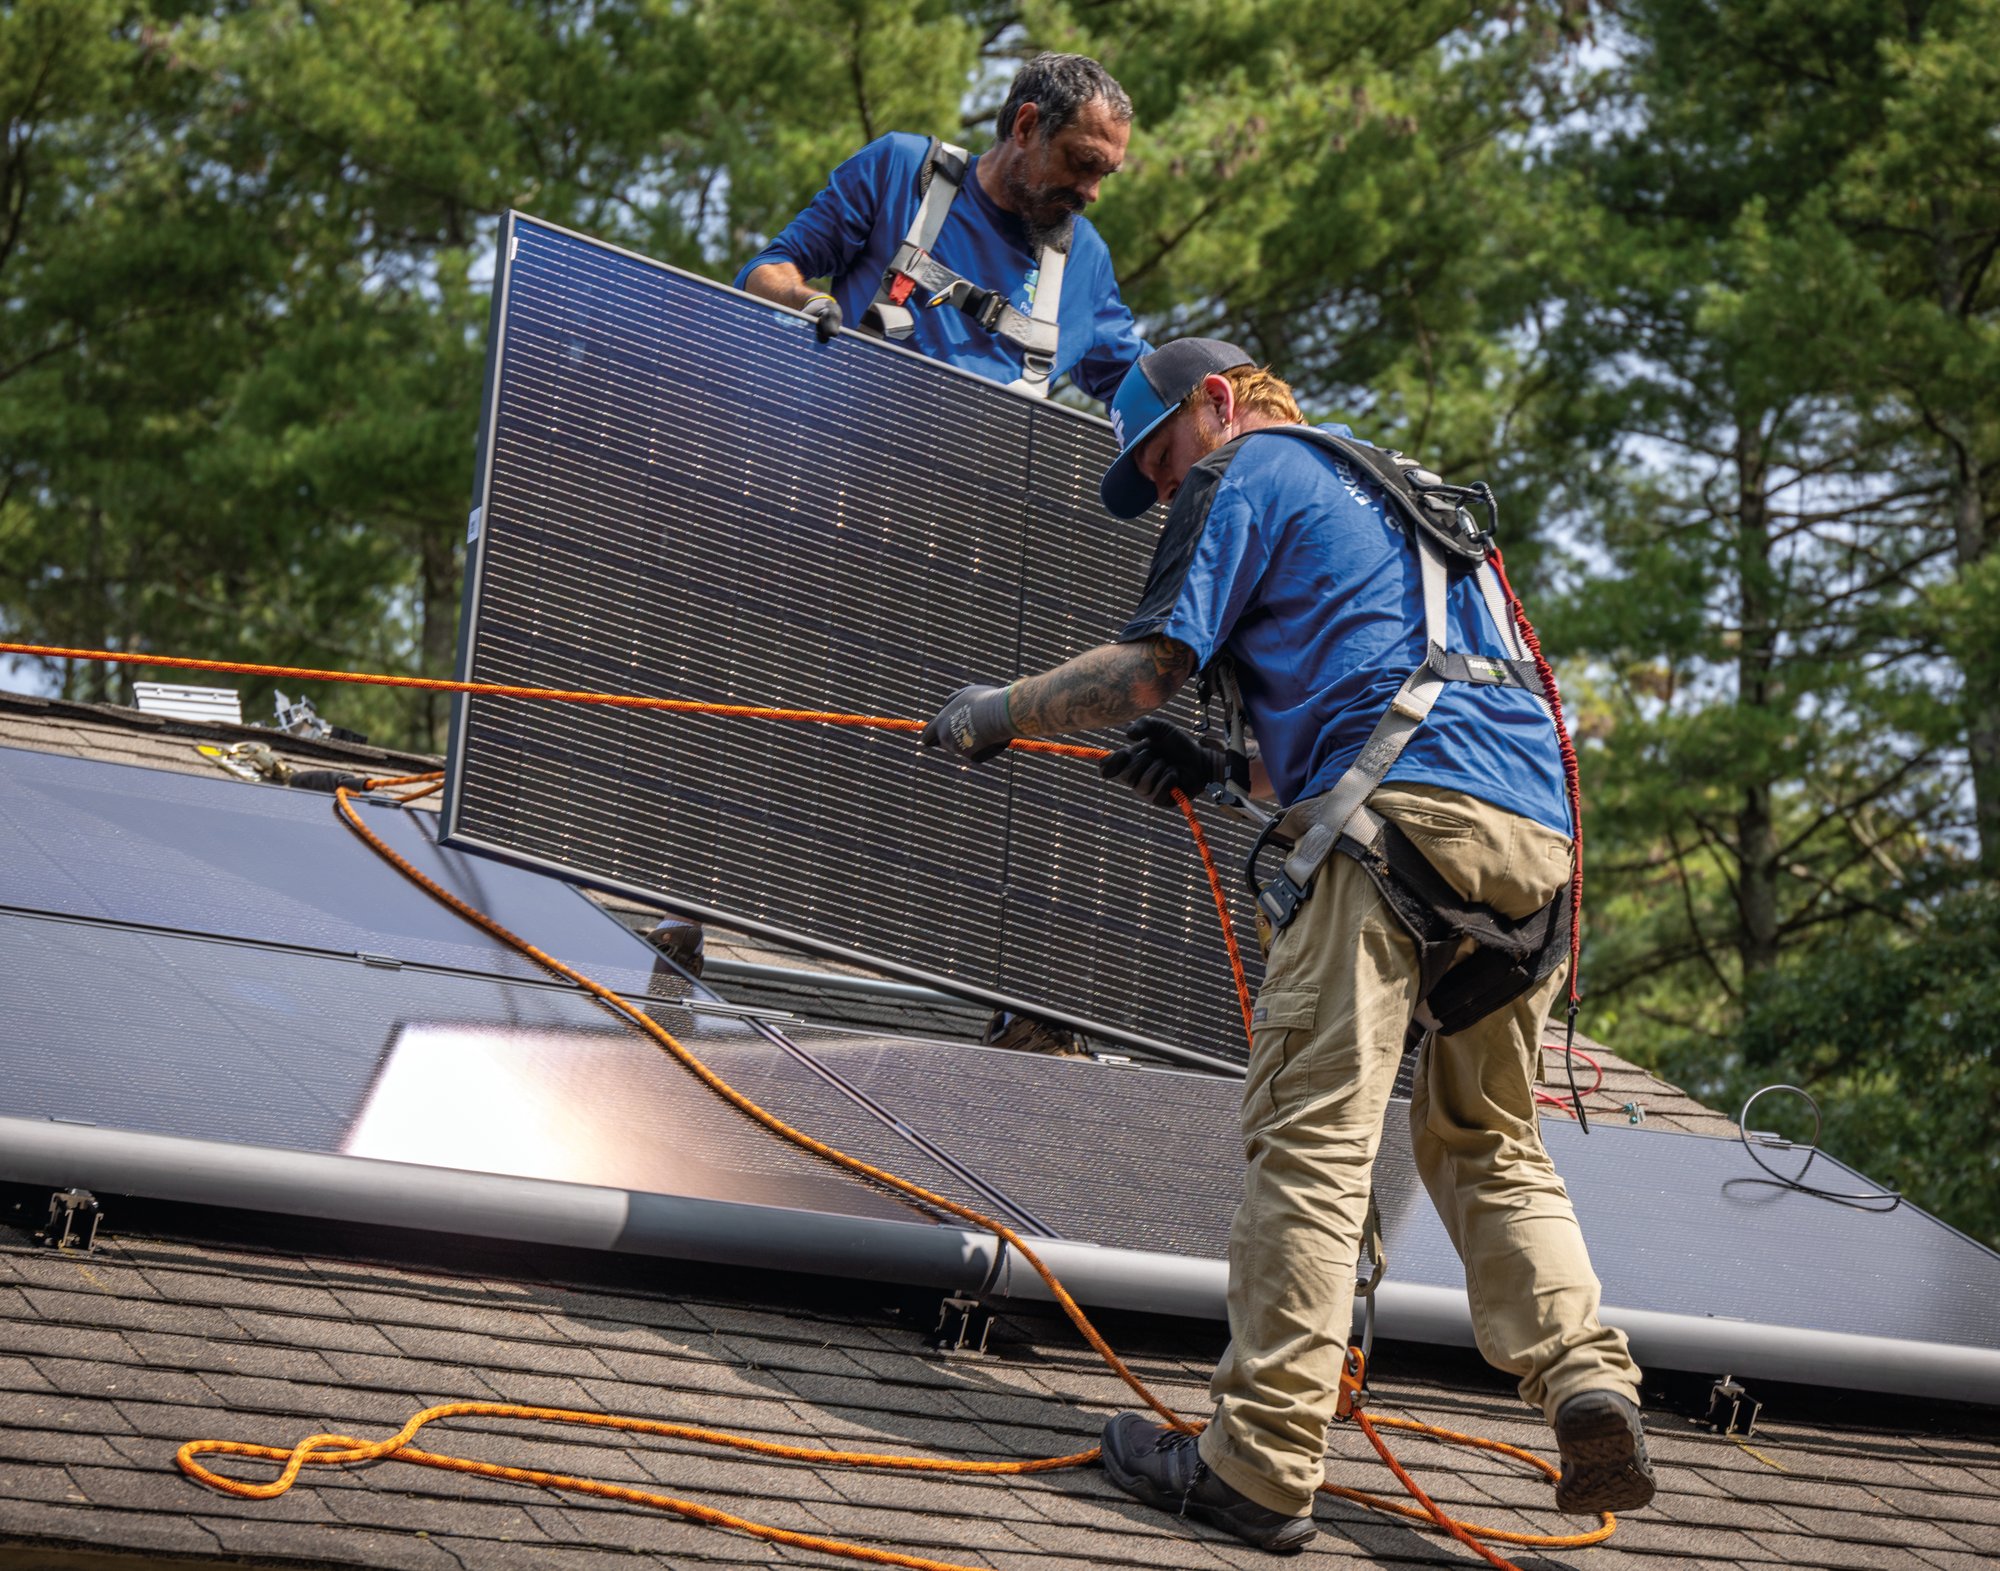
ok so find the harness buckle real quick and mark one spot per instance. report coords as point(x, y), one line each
point(984, 306)
point(902, 286)
point(1280, 900)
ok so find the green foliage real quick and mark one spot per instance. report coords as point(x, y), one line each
point(1712, 302)
point(1897, 1041)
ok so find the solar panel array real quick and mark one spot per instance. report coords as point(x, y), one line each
point(199, 957)
point(684, 494)
point(161, 976)
point(1151, 1160)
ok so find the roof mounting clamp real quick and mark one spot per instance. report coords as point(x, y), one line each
point(963, 1324)
point(73, 1218)
point(1731, 1409)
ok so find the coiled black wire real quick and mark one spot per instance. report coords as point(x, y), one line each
point(1855, 1200)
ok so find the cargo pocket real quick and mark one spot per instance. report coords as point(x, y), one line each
point(1435, 831)
point(1281, 1035)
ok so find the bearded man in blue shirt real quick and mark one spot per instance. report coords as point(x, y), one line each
point(1398, 717)
point(985, 263)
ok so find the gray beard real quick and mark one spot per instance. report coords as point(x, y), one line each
point(1054, 234)
point(1055, 237)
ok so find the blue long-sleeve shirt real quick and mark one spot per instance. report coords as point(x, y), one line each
point(1285, 558)
point(850, 232)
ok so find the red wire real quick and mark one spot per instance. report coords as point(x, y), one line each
point(1561, 1103)
point(1571, 780)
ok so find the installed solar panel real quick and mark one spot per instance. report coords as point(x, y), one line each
point(684, 494)
point(1152, 1160)
point(236, 1042)
point(196, 956)
point(216, 855)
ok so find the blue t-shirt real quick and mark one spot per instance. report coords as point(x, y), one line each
point(852, 229)
point(1287, 559)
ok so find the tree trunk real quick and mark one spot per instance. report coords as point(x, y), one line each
point(439, 587)
point(97, 607)
point(1756, 656)
point(1971, 541)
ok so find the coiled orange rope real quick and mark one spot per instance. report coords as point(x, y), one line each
point(338, 1450)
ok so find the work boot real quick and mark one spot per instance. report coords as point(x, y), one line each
point(1162, 1467)
point(1603, 1450)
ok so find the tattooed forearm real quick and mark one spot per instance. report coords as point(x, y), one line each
point(1100, 687)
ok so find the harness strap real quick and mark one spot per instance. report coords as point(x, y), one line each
point(943, 173)
point(1335, 809)
point(1038, 359)
point(915, 271)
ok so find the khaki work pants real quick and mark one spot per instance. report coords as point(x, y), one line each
point(1330, 1024)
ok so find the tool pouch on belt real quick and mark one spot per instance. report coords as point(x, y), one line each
point(1510, 956)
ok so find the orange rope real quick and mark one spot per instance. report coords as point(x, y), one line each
point(435, 684)
point(337, 1450)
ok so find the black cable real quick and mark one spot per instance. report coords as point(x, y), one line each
point(1855, 1200)
point(1569, 1063)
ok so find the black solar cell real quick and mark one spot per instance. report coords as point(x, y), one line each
point(686, 495)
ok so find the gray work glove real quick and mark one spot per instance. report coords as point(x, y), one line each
point(825, 313)
point(1159, 757)
point(973, 724)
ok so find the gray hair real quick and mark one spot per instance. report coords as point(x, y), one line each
point(1059, 86)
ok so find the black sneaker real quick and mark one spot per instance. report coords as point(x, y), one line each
point(1603, 1450)
point(1162, 1467)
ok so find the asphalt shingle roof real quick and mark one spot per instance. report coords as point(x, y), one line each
point(109, 1362)
point(184, 1325)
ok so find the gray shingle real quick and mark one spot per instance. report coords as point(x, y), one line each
point(497, 1352)
point(1838, 1554)
point(60, 1411)
point(70, 1308)
point(142, 1531)
point(39, 1481)
point(329, 1542)
point(246, 1291)
point(128, 1380)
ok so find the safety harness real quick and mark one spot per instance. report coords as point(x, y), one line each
point(915, 273)
point(1509, 956)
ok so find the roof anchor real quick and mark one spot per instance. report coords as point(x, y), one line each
point(1731, 1409)
point(73, 1218)
point(963, 1325)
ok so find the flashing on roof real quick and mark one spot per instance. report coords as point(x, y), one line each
point(177, 701)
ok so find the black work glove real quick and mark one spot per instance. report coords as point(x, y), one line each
point(973, 724)
point(1159, 757)
point(825, 313)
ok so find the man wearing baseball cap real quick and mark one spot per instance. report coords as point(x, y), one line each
point(1283, 559)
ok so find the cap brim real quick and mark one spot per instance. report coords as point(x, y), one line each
point(1124, 491)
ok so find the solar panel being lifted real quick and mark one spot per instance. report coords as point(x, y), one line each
point(682, 493)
